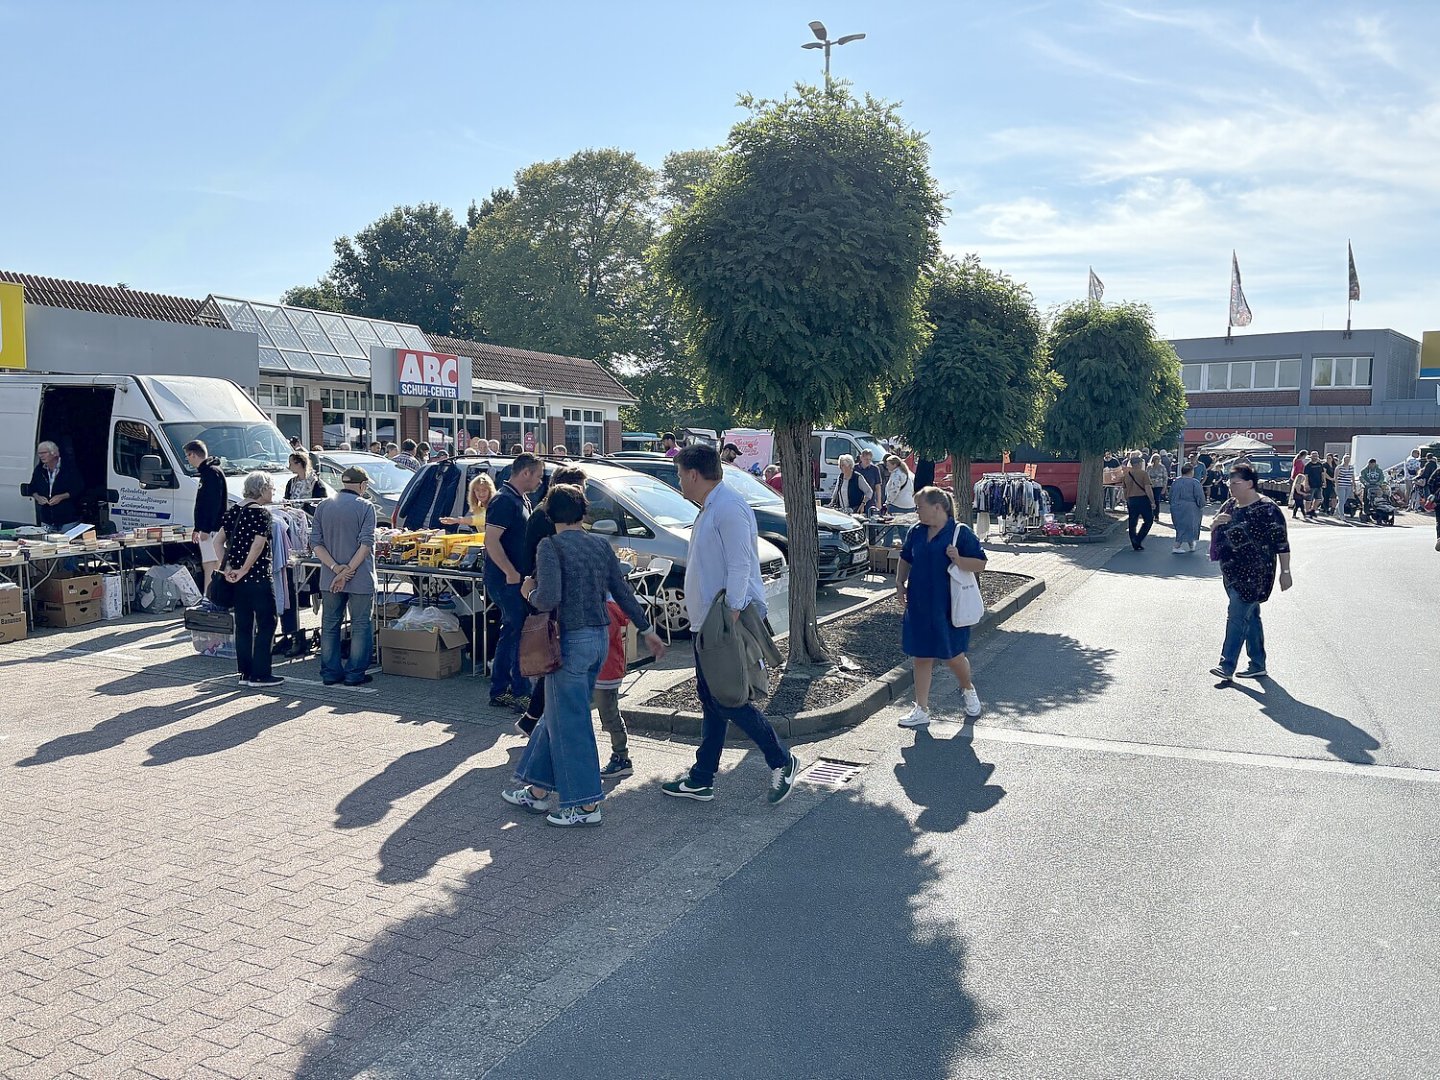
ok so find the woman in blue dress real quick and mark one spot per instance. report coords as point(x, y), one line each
point(923, 585)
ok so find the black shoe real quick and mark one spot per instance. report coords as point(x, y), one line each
point(520, 703)
point(273, 680)
point(1251, 673)
point(502, 701)
point(1221, 674)
point(366, 678)
point(329, 682)
point(526, 725)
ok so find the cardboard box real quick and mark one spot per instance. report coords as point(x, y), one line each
point(884, 560)
point(421, 654)
point(82, 589)
point(68, 614)
point(13, 627)
point(12, 600)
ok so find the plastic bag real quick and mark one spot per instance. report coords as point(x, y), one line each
point(426, 618)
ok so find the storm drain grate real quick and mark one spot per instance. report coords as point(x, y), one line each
point(827, 772)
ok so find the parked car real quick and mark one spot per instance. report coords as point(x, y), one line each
point(641, 513)
point(1272, 473)
point(387, 480)
point(844, 553)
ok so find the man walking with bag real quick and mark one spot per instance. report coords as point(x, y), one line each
point(722, 579)
point(343, 537)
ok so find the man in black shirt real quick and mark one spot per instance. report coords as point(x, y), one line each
point(1315, 477)
point(871, 472)
point(505, 520)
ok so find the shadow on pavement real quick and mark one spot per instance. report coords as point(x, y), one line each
point(1049, 671)
point(947, 779)
point(228, 732)
point(1342, 739)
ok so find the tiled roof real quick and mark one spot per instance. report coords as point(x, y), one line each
point(543, 371)
point(105, 299)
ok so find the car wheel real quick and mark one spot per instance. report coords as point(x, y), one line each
point(672, 616)
point(1057, 501)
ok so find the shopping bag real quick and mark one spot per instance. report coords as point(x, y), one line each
point(967, 607)
point(221, 591)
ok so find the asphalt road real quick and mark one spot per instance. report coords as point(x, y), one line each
point(1124, 870)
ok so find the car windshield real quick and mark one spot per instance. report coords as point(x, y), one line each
point(241, 448)
point(753, 491)
point(386, 477)
point(657, 499)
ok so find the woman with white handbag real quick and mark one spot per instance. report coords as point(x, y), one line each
point(937, 585)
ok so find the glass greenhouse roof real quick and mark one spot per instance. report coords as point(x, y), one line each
point(304, 342)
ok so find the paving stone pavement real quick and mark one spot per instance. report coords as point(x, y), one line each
point(202, 880)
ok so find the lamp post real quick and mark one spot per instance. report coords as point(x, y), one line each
point(823, 42)
point(542, 442)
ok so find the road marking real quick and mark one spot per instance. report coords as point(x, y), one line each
point(1195, 753)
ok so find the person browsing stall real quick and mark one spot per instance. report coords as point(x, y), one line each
point(245, 537)
point(505, 521)
point(343, 537)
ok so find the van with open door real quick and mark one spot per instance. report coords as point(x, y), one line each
point(126, 434)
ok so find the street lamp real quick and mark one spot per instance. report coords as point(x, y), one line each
point(823, 42)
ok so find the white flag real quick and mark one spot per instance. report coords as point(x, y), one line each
point(1097, 287)
point(1239, 309)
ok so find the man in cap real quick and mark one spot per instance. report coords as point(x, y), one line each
point(729, 452)
point(343, 536)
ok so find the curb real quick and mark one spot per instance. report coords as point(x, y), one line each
point(879, 692)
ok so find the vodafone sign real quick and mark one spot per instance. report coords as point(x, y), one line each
point(423, 374)
point(1276, 437)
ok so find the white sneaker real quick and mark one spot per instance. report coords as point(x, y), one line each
point(916, 717)
point(972, 701)
point(1178, 549)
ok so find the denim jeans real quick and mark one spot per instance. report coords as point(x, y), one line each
point(254, 612)
point(562, 756)
point(717, 719)
point(1242, 625)
point(362, 635)
point(505, 677)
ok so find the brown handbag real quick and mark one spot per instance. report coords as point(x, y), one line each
point(540, 638)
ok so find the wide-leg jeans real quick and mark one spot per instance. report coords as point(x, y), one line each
point(717, 719)
point(1242, 626)
point(561, 755)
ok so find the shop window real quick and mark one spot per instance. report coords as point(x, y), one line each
point(264, 395)
point(1341, 371)
point(1287, 375)
point(1264, 375)
point(133, 441)
point(297, 397)
point(1190, 377)
point(334, 429)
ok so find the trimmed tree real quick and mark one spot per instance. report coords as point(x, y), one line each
point(1122, 389)
point(983, 384)
point(797, 269)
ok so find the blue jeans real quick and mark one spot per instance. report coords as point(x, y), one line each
point(561, 756)
point(717, 719)
point(362, 635)
point(1242, 624)
point(505, 677)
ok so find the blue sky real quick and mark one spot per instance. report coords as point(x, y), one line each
point(198, 148)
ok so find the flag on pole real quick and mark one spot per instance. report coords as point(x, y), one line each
point(1097, 287)
point(1239, 309)
point(1354, 277)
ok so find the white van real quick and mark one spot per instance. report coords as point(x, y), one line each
point(826, 446)
point(126, 433)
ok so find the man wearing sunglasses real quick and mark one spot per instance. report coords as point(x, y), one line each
point(1249, 536)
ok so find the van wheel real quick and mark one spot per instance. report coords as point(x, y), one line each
point(1057, 501)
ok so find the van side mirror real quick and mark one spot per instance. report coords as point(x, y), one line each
point(153, 472)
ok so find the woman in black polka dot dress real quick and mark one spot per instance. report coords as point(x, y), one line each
point(245, 534)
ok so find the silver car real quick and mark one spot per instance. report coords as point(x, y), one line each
point(387, 480)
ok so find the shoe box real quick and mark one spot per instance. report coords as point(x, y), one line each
point(69, 601)
point(421, 654)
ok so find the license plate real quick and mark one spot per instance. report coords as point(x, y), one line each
point(859, 557)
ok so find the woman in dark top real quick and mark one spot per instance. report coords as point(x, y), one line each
point(209, 505)
point(302, 487)
point(245, 535)
point(574, 573)
point(536, 529)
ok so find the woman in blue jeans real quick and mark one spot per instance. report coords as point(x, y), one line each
point(574, 574)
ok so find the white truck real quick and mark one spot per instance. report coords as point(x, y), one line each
point(125, 433)
point(826, 446)
point(1387, 450)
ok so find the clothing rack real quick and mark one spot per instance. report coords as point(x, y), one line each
point(1017, 500)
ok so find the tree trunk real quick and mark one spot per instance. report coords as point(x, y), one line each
point(962, 488)
point(1090, 497)
point(793, 442)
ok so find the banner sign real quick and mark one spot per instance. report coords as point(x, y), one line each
point(1211, 435)
point(423, 374)
point(12, 325)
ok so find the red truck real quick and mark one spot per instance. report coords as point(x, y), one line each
point(1058, 474)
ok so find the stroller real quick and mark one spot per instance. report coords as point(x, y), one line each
point(1375, 506)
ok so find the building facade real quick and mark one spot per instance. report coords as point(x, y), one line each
point(323, 377)
point(1311, 390)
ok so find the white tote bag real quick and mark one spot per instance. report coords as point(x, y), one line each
point(966, 605)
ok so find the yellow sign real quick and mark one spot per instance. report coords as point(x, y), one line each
point(12, 325)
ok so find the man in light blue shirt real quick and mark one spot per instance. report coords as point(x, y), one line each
point(723, 555)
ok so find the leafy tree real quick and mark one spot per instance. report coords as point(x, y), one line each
point(798, 270)
point(983, 384)
point(402, 267)
point(556, 264)
point(322, 296)
point(683, 173)
point(1122, 388)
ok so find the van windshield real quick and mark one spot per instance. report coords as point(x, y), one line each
point(241, 448)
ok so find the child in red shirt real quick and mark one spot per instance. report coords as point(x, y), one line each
point(607, 696)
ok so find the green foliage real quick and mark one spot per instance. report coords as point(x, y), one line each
point(798, 263)
point(322, 296)
point(557, 264)
point(402, 267)
point(1122, 383)
point(682, 175)
point(984, 383)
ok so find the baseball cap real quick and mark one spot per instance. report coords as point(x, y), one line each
point(354, 475)
point(730, 446)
